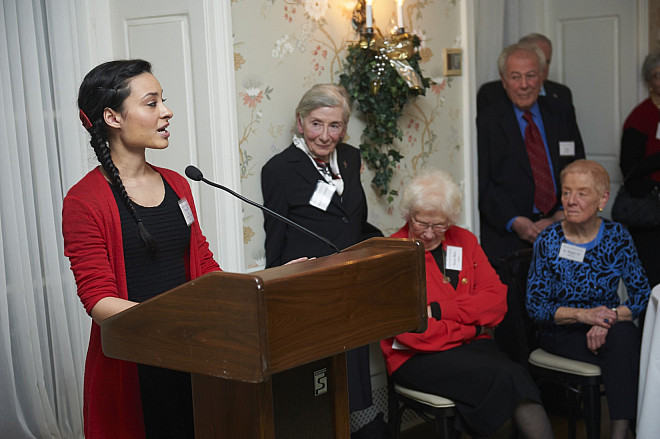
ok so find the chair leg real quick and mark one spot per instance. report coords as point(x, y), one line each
point(572, 428)
point(592, 410)
point(574, 407)
point(444, 427)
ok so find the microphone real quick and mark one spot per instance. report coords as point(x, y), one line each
point(194, 173)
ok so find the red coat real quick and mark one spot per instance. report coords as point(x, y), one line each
point(645, 119)
point(93, 244)
point(478, 300)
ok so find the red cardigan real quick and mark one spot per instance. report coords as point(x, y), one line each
point(93, 243)
point(478, 300)
point(645, 119)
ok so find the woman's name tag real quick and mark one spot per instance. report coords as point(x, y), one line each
point(572, 252)
point(454, 258)
point(186, 211)
point(322, 195)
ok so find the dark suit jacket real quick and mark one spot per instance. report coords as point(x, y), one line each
point(492, 92)
point(506, 183)
point(288, 181)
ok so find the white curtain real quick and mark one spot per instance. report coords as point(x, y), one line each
point(43, 328)
point(499, 23)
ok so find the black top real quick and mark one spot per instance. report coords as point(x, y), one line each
point(149, 274)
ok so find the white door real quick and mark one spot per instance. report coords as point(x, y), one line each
point(599, 46)
point(189, 45)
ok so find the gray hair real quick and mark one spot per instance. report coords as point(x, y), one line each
point(530, 48)
point(536, 38)
point(598, 174)
point(325, 95)
point(651, 61)
point(431, 189)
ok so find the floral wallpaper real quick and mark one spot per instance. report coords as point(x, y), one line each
point(283, 47)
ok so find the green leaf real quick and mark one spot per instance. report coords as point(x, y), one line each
point(382, 110)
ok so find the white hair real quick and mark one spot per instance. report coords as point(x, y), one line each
point(432, 189)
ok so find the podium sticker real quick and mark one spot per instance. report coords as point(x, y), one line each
point(320, 381)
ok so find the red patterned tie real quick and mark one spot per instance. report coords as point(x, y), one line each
point(544, 193)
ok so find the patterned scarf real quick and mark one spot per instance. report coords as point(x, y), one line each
point(329, 171)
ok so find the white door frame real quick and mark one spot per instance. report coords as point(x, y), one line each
point(224, 213)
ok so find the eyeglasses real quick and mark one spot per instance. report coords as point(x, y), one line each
point(317, 127)
point(436, 228)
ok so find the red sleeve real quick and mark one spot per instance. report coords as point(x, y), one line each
point(204, 254)
point(479, 298)
point(482, 301)
point(86, 246)
point(439, 336)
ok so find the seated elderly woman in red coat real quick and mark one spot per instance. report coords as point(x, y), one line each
point(456, 356)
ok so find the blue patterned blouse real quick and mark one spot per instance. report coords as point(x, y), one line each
point(555, 281)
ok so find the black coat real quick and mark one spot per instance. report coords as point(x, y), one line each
point(288, 181)
point(506, 183)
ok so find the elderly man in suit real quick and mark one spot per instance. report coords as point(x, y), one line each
point(524, 141)
point(493, 91)
point(523, 144)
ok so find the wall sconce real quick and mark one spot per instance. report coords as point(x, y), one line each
point(381, 75)
point(363, 17)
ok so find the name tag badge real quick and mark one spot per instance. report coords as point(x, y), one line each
point(186, 211)
point(322, 195)
point(657, 131)
point(454, 258)
point(572, 252)
point(399, 346)
point(567, 149)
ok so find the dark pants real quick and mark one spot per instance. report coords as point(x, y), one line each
point(359, 378)
point(166, 403)
point(618, 359)
point(481, 380)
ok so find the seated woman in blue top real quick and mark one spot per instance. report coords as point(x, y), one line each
point(572, 289)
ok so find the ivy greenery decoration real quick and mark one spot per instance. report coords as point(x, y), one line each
point(381, 93)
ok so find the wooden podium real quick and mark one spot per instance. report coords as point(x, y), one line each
point(266, 350)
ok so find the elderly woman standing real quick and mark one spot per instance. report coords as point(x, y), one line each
point(640, 163)
point(456, 356)
point(572, 289)
point(315, 182)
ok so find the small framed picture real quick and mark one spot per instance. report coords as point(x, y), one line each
point(453, 62)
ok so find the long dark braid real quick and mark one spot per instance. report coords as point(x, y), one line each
point(107, 86)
